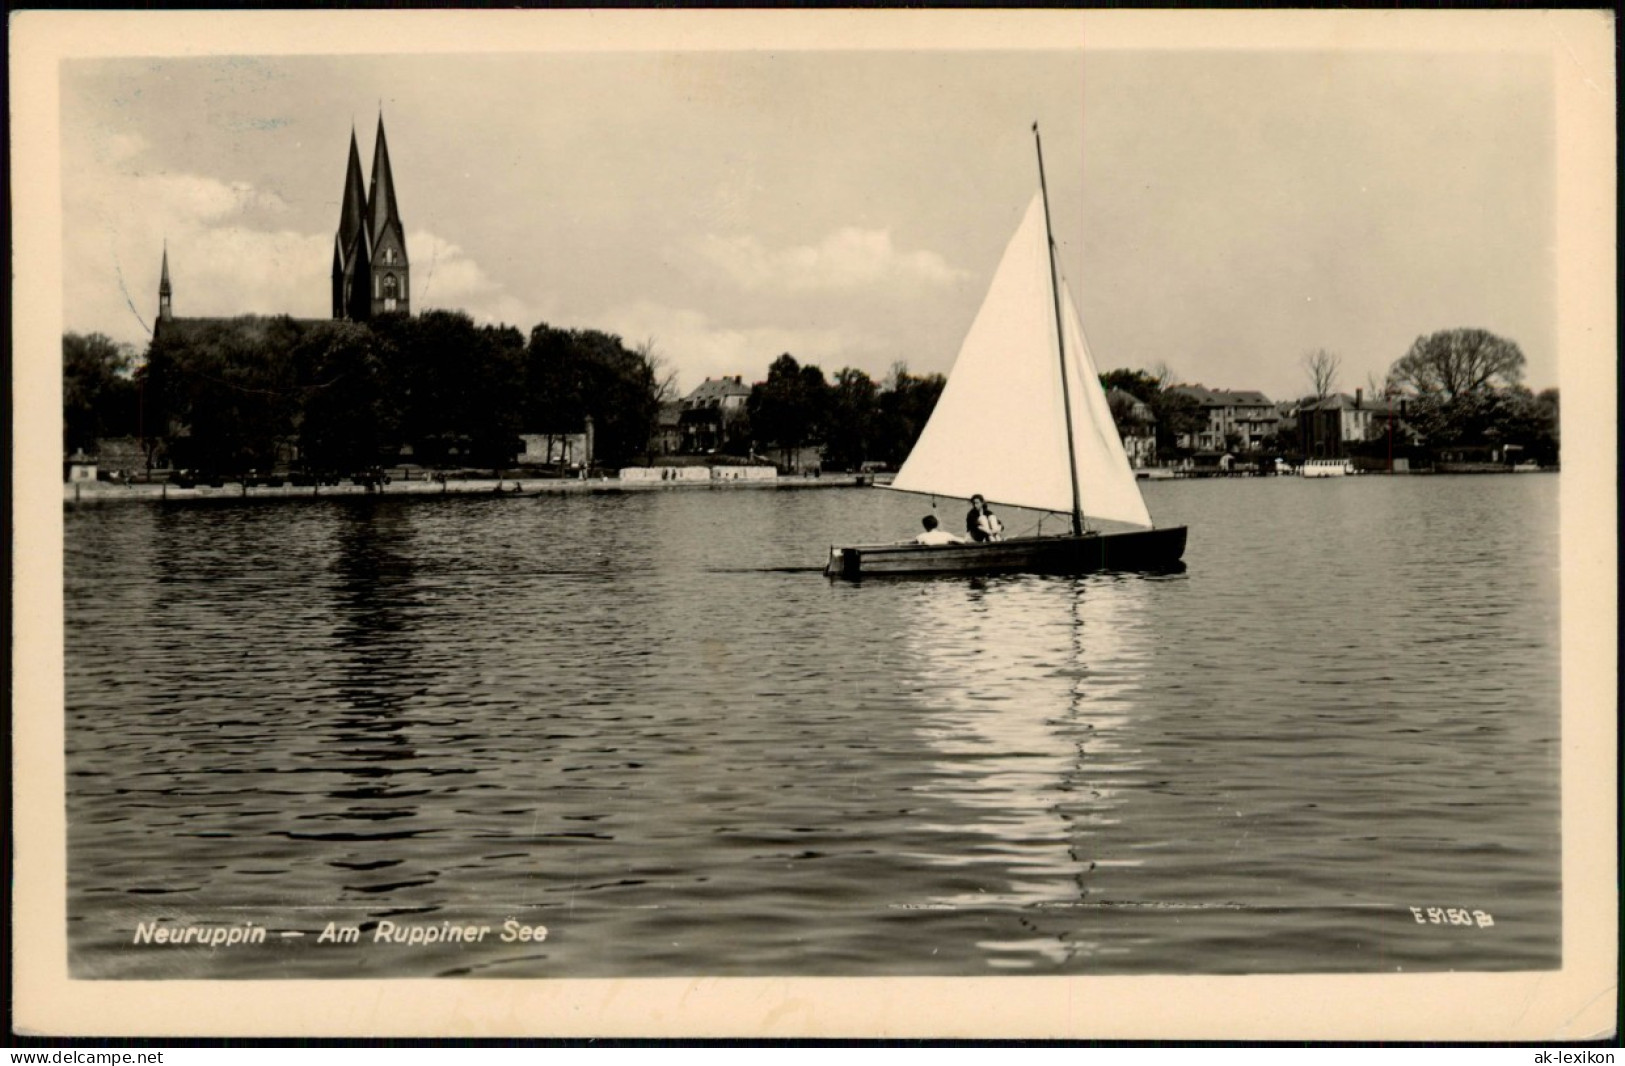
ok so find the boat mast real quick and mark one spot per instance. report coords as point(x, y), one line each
point(1060, 343)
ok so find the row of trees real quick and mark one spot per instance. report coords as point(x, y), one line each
point(1459, 389)
point(100, 396)
point(854, 419)
point(230, 396)
point(1174, 413)
point(1464, 388)
point(236, 395)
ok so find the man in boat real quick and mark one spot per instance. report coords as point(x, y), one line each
point(981, 523)
point(933, 535)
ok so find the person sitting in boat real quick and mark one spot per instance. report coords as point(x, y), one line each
point(981, 523)
point(933, 535)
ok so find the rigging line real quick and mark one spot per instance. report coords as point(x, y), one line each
point(1060, 342)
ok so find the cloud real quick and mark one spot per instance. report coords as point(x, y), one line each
point(231, 251)
point(445, 276)
point(698, 348)
point(847, 258)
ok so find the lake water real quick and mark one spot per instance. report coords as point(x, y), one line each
point(648, 723)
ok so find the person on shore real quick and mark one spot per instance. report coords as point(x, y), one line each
point(934, 536)
point(981, 524)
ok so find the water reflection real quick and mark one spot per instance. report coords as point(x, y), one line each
point(620, 717)
point(367, 755)
point(1031, 684)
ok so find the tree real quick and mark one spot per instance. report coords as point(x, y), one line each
point(226, 390)
point(904, 404)
point(100, 396)
point(1322, 366)
point(1140, 384)
point(853, 409)
point(572, 375)
point(342, 422)
point(791, 408)
point(1456, 362)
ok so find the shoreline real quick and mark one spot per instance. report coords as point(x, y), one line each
point(89, 492)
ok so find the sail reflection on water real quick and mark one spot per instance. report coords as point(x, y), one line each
point(1031, 685)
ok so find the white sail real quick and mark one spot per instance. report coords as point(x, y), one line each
point(999, 428)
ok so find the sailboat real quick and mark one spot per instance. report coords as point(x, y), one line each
point(1023, 421)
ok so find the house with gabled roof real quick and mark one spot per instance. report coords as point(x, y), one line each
point(1329, 425)
point(1136, 425)
point(1245, 417)
point(710, 412)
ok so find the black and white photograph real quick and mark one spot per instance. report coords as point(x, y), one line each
point(894, 523)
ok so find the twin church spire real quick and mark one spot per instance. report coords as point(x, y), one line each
point(371, 273)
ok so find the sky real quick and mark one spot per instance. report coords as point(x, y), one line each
point(1218, 212)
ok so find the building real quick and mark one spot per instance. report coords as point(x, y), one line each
point(668, 435)
point(1236, 421)
point(711, 412)
point(1327, 427)
point(371, 273)
point(1136, 424)
point(371, 270)
point(563, 450)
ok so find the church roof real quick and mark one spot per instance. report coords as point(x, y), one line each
point(381, 197)
point(255, 325)
point(353, 213)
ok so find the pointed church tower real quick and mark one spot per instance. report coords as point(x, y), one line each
point(352, 247)
point(390, 269)
point(165, 313)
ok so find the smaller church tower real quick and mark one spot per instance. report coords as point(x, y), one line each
point(164, 311)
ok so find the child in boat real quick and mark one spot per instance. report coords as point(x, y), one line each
point(933, 535)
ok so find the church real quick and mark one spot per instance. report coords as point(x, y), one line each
point(371, 271)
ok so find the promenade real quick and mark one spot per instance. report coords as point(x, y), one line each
point(88, 492)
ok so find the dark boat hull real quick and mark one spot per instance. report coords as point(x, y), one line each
point(1149, 549)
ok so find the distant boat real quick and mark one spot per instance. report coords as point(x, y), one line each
point(1327, 467)
point(1024, 422)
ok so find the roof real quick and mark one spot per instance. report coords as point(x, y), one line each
point(1223, 397)
point(257, 324)
point(353, 211)
point(1138, 407)
point(381, 195)
point(714, 390)
point(1342, 401)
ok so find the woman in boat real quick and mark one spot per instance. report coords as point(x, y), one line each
point(981, 523)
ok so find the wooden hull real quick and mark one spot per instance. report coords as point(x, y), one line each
point(1151, 549)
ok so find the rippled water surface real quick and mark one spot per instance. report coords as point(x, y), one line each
point(646, 722)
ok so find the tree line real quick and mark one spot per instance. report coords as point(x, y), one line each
point(228, 397)
point(1453, 389)
point(237, 395)
point(852, 419)
point(231, 396)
